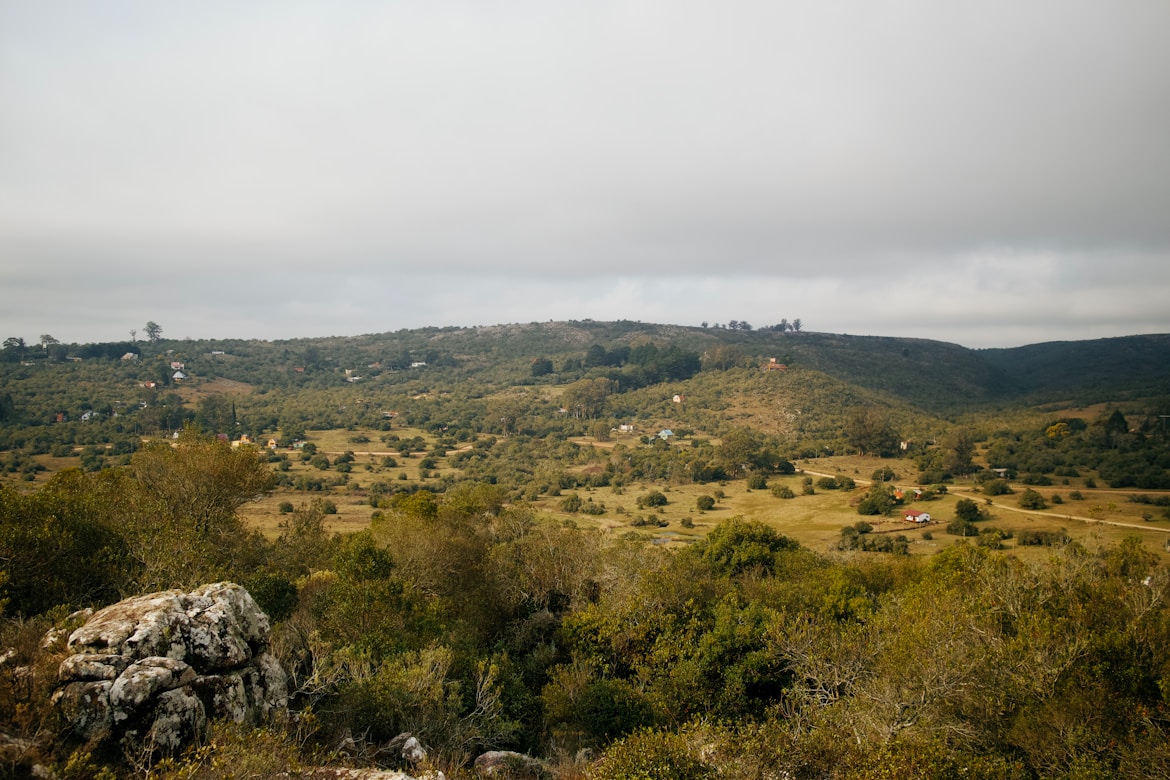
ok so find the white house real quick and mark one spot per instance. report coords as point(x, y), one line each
point(915, 516)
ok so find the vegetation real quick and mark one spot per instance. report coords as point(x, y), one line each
point(499, 549)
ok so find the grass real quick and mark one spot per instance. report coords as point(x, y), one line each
point(813, 520)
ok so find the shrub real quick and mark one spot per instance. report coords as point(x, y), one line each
point(967, 510)
point(653, 498)
point(962, 528)
point(705, 503)
point(782, 491)
point(650, 755)
point(1030, 499)
point(757, 482)
point(997, 487)
point(1042, 538)
point(827, 483)
point(328, 507)
point(571, 503)
point(286, 507)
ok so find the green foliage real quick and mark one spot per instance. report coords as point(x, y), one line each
point(878, 500)
point(652, 499)
point(651, 755)
point(1030, 499)
point(705, 503)
point(968, 511)
point(997, 487)
point(737, 545)
point(782, 491)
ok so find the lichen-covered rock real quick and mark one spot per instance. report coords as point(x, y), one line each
point(144, 680)
point(152, 671)
point(93, 667)
point(86, 706)
point(507, 765)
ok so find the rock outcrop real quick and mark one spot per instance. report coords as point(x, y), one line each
point(153, 671)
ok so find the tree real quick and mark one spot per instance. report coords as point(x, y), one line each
point(797, 325)
point(737, 545)
point(153, 330)
point(961, 449)
point(216, 414)
point(1030, 499)
point(586, 397)
point(879, 500)
point(740, 450)
point(48, 341)
point(181, 518)
point(542, 366)
point(15, 347)
point(967, 510)
point(869, 430)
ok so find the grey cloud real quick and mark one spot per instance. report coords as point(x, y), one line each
point(601, 158)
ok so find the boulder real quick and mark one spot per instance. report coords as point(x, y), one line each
point(153, 671)
point(507, 765)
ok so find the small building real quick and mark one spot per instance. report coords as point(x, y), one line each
point(915, 516)
point(178, 365)
point(678, 398)
point(130, 356)
point(178, 376)
point(418, 364)
point(665, 434)
point(773, 365)
point(272, 444)
point(626, 428)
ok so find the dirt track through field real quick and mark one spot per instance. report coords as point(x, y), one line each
point(967, 493)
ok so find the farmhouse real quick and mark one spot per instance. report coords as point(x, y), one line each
point(916, 516)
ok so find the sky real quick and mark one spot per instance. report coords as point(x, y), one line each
point(990, 174)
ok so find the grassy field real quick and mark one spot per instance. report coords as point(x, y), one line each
point(814, 520)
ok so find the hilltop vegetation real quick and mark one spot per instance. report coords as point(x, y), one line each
point(632, 550)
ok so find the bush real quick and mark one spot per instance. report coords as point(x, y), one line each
point(705, 503)
point(782, 491)
point(757, 482)
point(1042, 538)
point(962, 528)
point(997, 487)
point(571, 503)
point(286, 507)
point(650, 755)
point(1030, 499)
point(653, 498)
point(968, 511)
point(328, 507)
point(827, 483)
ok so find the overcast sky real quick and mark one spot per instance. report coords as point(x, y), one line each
point(989, 173)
